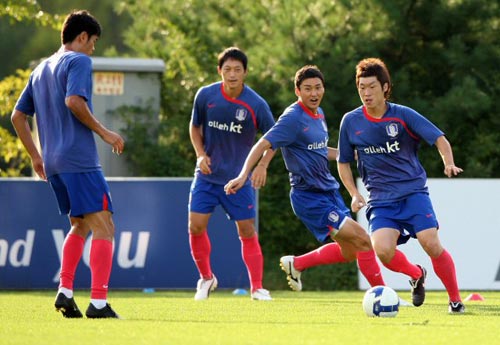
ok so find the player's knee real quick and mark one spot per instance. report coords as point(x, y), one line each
point(195, 229)
point(364, 242)
point(384, 254)
point(433, 250)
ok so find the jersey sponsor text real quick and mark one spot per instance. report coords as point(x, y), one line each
point(232, 127)
point(389, 148)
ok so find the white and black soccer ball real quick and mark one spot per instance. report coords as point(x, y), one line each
point(381, 301)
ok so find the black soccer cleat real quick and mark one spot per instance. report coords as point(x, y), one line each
point(104, 313)
point(456, 308)
point(67, 306)
point(418, 288)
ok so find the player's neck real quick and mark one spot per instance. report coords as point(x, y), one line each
point(233, 92)
point(377, 111)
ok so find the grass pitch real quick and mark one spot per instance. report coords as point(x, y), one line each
point(173, 317)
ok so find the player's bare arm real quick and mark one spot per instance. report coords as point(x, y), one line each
point(23, 130)
point(202, 159)
point(333, 153)
point(80, 109)
point(253, 157)
point(345, 174)
point(444, 148)
point(259, 173)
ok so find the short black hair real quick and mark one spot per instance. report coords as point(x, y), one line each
point(307, 72)
point(79, 21)
point(234, 53)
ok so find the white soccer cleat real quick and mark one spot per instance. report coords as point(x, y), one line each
point(292, 274)
point(261, 295)
point(204, 287)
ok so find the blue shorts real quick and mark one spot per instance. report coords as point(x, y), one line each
point(409, 216)
point(323, 213)
point(205, 196)
point(79, 194)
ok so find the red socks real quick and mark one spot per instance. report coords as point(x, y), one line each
point(328, 254)
point(331, 253)
point(254, 261)
point(400, 263)
point(370, 268)
point(71, 254)
point(101, 261)
point(200, 250)
point(445, 269)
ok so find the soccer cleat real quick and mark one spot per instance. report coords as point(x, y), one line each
point(292, 274)
point(204, 287)
point(456, 308)
point(67, 306)
point(418, 288)
point(261, 295)
point(104, 313)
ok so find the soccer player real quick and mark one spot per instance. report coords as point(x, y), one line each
point(385, 137)
point(59, 92)
point(225, 118)
point(301, 133)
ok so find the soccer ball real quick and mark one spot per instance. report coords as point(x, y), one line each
point(381, 301)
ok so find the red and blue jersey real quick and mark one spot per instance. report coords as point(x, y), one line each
point(303, 139)
point(229, 128)
point(387, 150)
point(68, 146)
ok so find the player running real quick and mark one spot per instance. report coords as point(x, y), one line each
point(385, 137)
point(302, 135)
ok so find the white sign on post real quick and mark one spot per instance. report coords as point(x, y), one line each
point(469, 229)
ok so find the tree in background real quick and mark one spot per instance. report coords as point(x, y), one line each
point(28, 32)
point(14, 161)
point(443, 56)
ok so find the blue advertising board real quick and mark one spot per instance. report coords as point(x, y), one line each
point(151, 248)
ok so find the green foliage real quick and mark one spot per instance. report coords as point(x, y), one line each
point(152, 148)
point(14, 161)
point(27, 10)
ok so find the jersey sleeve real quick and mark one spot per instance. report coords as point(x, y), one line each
point(421, 126)
point(198, 112)
point(346, 149)
point(284, 131)
point(25, 103)
point(79, 81)
point(265, 119)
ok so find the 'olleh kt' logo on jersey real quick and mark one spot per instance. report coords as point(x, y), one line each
point(232, 127)
point(389, 148)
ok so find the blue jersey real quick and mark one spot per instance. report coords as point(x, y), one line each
point(303, 139)
point(387, 150)
point(229, 128)
point(68, 146)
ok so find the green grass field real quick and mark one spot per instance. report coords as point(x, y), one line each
point(173, 317)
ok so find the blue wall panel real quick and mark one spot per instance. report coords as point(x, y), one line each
point(151, 242)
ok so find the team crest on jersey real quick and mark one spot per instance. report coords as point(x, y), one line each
point(392, 130)
point(333, 217)
point(241, 114)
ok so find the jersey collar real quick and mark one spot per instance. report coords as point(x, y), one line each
point(309, 112)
